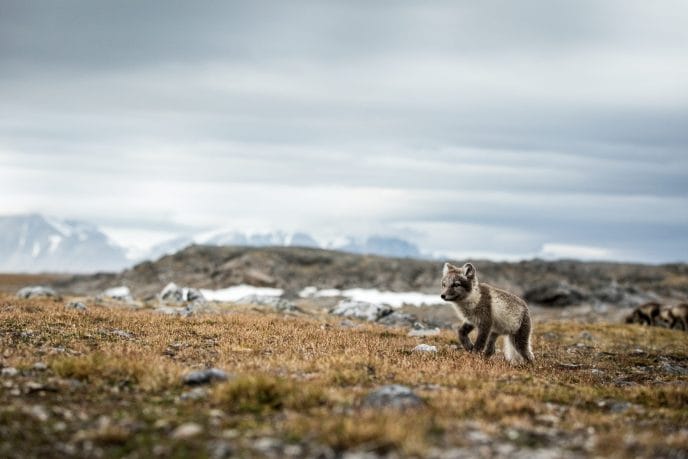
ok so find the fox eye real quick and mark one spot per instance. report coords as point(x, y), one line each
point(456, 284)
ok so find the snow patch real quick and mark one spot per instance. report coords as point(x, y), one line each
point(36, 249)
point(55, 241)
point(394, 299)
point(237, 292)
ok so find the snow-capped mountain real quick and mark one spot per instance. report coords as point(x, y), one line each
point(35, 243)
point(379, 245)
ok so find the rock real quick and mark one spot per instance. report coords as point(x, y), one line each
point(266, 445)
point(38, 412)
point(585, 335)
point(76, 305)
point(425, 348)
point(674, 369)
point(398, 319)
point(555, 294)
point(172, 311)
point(361, 310)
point(197, 393)
point(122, 334)
point(277, 303)
point(9, 372)
point(187, 430)
point(570, 366)
point(174, 294)
point(119, 294)
point(422, 332)
point(392, 396)
point(220, 450)
point(615, 406)
point(40, 366)
point(206, 376)
point(37, 291)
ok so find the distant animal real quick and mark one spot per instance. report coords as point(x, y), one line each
point(645, 314)
point(493, 311)
point(674, 315)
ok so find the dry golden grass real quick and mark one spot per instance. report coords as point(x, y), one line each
point(113, 384)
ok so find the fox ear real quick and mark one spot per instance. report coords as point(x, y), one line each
point(448, 267)
point(469, 270)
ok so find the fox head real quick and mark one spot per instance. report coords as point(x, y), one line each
point(458, 283)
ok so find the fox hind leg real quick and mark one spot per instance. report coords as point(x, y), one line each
point(517, 346)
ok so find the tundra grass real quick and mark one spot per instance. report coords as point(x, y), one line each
point(111, 387)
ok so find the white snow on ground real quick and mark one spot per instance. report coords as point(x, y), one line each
point(394, 299)
point(118, 292)
point(240, 291)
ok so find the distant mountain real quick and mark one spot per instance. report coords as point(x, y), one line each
point(374, 245)
point(35, 243)
point(380, 245)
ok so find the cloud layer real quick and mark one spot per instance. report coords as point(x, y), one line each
point(499, 128)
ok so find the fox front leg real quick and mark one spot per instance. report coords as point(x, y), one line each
point(465, 341)
point(481, 340)
point(490, 346)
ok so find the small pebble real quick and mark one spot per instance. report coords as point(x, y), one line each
point(187, 430)
point(425, 348)
point(9, 372)
point(205, 376)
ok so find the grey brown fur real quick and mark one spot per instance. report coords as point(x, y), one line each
point(645, 314)
point(675, 315)
point(492, 311)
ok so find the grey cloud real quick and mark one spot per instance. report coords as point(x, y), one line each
point(547, 122)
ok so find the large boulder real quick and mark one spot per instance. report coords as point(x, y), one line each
point(361, 310)
point(392, 396)
point(555, 294)
point(275, 302)
point(37, 291)
point(175, 294)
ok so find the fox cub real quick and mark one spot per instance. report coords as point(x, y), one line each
point(493, 311)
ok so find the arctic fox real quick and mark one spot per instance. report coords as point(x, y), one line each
point(675, 315)
point(645, 314)
point(493, 311)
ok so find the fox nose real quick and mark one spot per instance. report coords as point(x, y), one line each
point(443, 296)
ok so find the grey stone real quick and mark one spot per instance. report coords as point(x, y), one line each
point(586, 335)
point(76, 305)
point(206, 376)
point(175, 294)
point(266, 444)
point(392, 396)
point(674, 369)
point(40, 366)
point(423, 332)
point(9, 372)
point(187, 430)
point(122, 334)
point(197, 393)
point(555, 294)
point(37, 291)
point(361, 310)
point(425, 348)
point(277, 303)
point(397, 319)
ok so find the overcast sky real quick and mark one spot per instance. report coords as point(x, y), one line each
point(496, 128)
